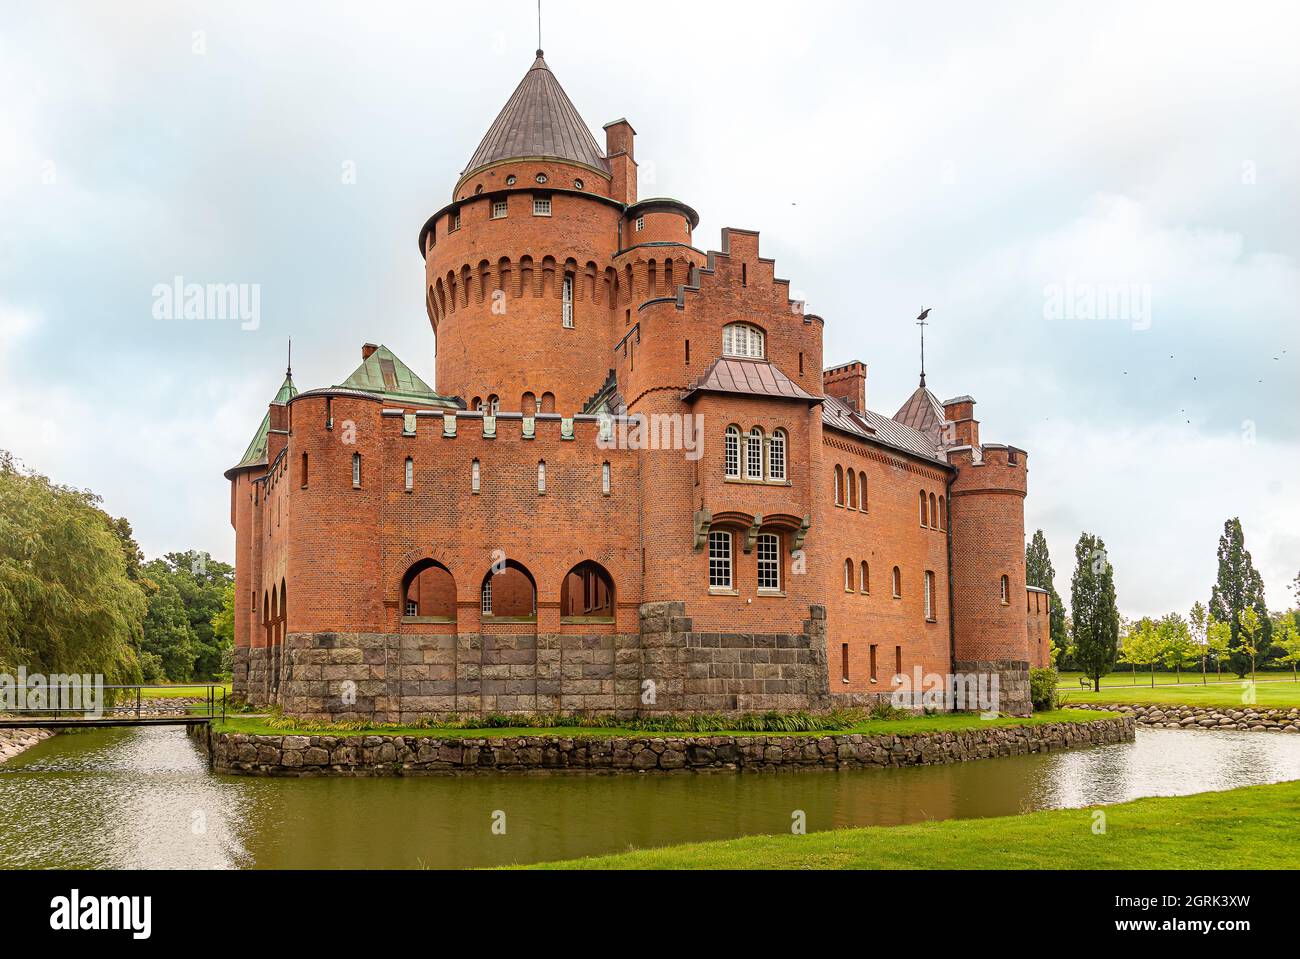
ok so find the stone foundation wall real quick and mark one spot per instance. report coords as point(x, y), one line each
point(1013, 683)
point(665, 667)
point(307, 755)
point(1246, 718)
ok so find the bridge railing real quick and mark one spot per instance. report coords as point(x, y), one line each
point(124, 700)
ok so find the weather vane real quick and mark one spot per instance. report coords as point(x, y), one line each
point(920, 321)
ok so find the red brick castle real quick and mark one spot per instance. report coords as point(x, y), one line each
point(635, 490)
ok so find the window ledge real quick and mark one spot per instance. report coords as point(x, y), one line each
point(586, 619)
point(720, 591)
point(428, 619)
point(773, 593)
point(742, 481)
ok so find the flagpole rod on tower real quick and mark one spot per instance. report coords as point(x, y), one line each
point(920, 321)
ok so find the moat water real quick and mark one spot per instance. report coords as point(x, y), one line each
point(144, 798)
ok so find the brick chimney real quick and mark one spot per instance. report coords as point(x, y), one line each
point(965, 429)
point(366, 350)
point(622, 162)
point(847, 383)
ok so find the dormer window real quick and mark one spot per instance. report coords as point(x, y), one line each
point(741, 339)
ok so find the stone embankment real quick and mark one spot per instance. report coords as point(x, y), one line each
point(311, 755)
point(14, 741)
point(1248, 718)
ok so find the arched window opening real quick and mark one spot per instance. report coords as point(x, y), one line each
point(429, 592)
point(548, 403)
point(848, 576)
point(1006, 591)
point(475, 477)
point(566, 298)
point(864, 578)
point(742, 339)
point(934, 512)
point(776, 457)
point(754, 455)
point(898, 583)
point(925, 518)
point(943, 513)
point(528, 404)
point(731, 453)
point(852, 483)
point(410, 474)
point(509, 592)
point(356, 470)
point(839, 485)
point(862, 491)
point(929, 595)
point(493, 405)
point(587, 592)
point(541, 476)
point(605, 478)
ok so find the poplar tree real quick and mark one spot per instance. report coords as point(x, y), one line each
point(1039, 572)
point(1093, 609)
point(1237, 588)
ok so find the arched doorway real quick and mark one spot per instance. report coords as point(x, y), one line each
point(508, 591)
point(429, 592)
point(587, 592)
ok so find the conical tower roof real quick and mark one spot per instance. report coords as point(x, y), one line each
point(538, 121)
point(922, 412)
point(255, 455)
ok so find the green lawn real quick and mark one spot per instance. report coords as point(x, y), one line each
point(922, 724)
point(181, 691)
point(1270, 689)
point(1239, 829)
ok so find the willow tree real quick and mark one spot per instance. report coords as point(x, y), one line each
point(67, 603)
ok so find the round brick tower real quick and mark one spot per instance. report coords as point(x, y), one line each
point(986, 513)
point(522, 290)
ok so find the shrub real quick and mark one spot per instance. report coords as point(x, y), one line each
point(1042, 688)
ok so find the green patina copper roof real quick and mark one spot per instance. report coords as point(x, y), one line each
point(383, 373)
point(256, 452)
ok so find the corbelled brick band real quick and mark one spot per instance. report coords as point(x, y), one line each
point(311, 755)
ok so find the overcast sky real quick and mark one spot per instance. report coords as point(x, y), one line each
point(999, 163)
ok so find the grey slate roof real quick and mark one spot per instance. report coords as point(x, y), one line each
point(539, 120)
point(880, 429)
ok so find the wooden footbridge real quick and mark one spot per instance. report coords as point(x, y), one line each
point(61, 707)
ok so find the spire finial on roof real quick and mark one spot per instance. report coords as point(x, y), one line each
point(539, 27)
point(920, 321)
point(288, 369)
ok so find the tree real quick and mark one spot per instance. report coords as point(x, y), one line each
point(1177, 649)
point(1093, 609)
point(1134, 644)
point(1237, 588)
point(1039, 572)
point(1198, 623)
point(187, 591)
point(1218, 638)
point(1287, 637)
point(1249, 635)
point(67, 604)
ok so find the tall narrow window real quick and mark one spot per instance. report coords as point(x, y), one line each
point(862, 491)
point(541, 476)
point(731, 453)
point(924, 514)
point(929, 594)
point(719, 559)
point(688, 352)
point(848, 576)
point(485, 599)
point(769, 562)
point(934, 512)
point(356, 470)
point(567, 299)
point(943, 513)
point(864, 577)
point(852, 489)
point(640, 223)
point(475, 477)
point(844, 662)
point(776, 457)
point(898, 660)
point(1006, 591)
point(839, 485)
point(304, 471)
point(754, 455)
point(455, 220)
point(604, 478)
point(410, 474)
point(898, 583)
point(873, 662)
